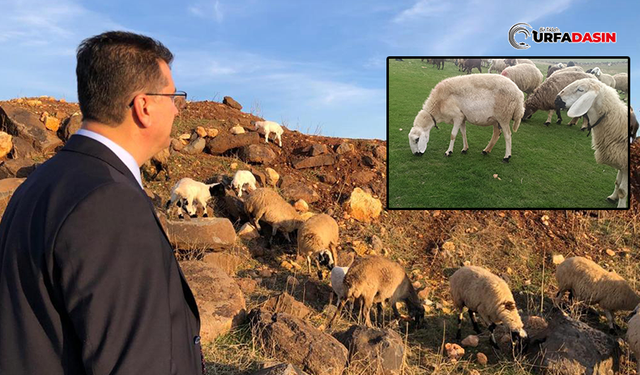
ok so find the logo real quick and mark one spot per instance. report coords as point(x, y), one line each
point(553, 35)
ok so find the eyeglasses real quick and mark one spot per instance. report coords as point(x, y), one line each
point(175, 95)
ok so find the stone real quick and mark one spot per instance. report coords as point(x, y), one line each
point(23, 149)
point(454, 351)
point(20, 122)
point(7, 187)
point(17, 168)
point(344, 147)
point(557, 259)
point(286, 303)
point(368, 161)
point(301, 205)
point(5, 144)
point(237, 130)
point(220, 302)
point(248, 232)
point(296, 341)
point(362, 178)
point(224, 143)
point(212, 132)
point(51, 123)
point(247, 285)
point(373, 351)
point(380, 152)
point(376, 243)
point(195, 147)
point(229, 263)
point(201, 132)
point(482, 359)
point(201, 233)
point(471, 340)
point(328, 179)
point(177, 145)
point(231, 102)
point(299, 190)
point(317, 149)
point(157, 168)
point(257, 153)
point(281, 369)
point(272, 176)
point(314, 161)
point(261, 177)
point(362, 206)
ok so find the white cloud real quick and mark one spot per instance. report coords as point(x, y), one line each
point(423, 9)
point(208, 10)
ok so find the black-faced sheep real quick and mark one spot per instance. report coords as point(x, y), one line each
point(608, 118)
point(526, 76)
point(377, 279)
point(588, 282)
point(481, 99)
point(320, 233)
point(264, 204)
point(482, 292)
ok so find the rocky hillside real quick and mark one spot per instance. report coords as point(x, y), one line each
point(236, 275)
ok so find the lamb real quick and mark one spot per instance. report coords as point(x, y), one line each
point(191, 190)
point(607, 79)
point(267, 205)
point(266, 127)
point(377, 279)
point(606, 112)
point(622, 82)
point(513, 62)
point(633, 336)
point(527, 77)
point(488, 295)
point(543, 98)
point(242, 178)
point(590, 283)
point(497, 64)
point(481, 99)
point(319, 234)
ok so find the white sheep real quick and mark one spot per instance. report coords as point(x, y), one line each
point(242, 178)
point(622, 82)
point(318, 234)
point(488, 295)
point(267, 127)
point(527, 77)
point(633, 336)
point(608, 119)
point(514, 62)
point(191, 190)
point(498, 65)
point(337, 281)
point(376, 279)
point(481, 99)
point(588, 282)
point(607, 79)
point(267, 205)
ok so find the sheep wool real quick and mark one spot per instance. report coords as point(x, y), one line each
point(622, 82)
point(498, 65)
point(319, 233)
point(267, 127)
point(267, 205)
point(527, 77)
point(543, 98)
point(633, 336)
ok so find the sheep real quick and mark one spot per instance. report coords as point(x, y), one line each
point(497, 64)
point(481, 99)
point(633, 126)
point(607, 79)
point(267, 205)
point(470, 64)
point(242, 178)
point(527, 77)
point(190, 190)
point(266, 127)
point(376, 279)
point(588, 282)
point(622, 82)
point(543, 97)
point(337, 281)
point(608, 118)
point(513, 62)
point(319, 234)
point(633, 336)
point(438, 63)
point(488, 295)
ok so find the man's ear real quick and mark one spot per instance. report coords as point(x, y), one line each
point(141, 110)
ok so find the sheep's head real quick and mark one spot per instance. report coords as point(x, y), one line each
point(324, 258)
point(529, 110)
point(508, 314)
point(579, 96)
point(419, 134)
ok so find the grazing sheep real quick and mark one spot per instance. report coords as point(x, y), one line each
point(633, 126)
point(264, 204)
point(608, 118)
point(555, 68)
point(488, 295)
point(438, 63)
point(527, 77)
point(337, 281)
point(513, 62)
point(190, 190)
point(377, 279)
point(266, 127)
point(498, 65)
point(242, 178)
point(319, 234)
point(633, 336)
point(607, 79)
point(588, 282)
point(481, 99)
point(543, 98)
point(470, 64)
point(622, 82)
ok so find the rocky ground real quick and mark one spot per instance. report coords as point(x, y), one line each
point(240, 282)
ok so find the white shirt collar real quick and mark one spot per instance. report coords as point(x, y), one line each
point(120, 152)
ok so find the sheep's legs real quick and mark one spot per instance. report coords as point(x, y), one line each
point(614, 196)
point(367, 303)
point(266, 136)
point(494, 343)
point(549, 117)
point(463, 130)
point(459, 332)
point(279, 136)
point(612, 325)
point(338, 312)
point(494, 139)
point(622, 189)
point(507, 141)
point(320, 277)
point(454, 132)
point(474, 321)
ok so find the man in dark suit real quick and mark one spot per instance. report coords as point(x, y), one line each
point(88, 280)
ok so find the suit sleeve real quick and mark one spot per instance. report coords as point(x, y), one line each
point(114, 276)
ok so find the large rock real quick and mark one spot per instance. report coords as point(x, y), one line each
point(7, 187)
point(231, 103)
point(296, 341)
point(201, 233)
point(298, 191)
point(281, 369)
point(272, 176)
point(22, 149)
point(362, 206)
point(572, 347)
point(224, 143)
point(17, 168)
point(220, 301)
point(284, 302)
point(5, 144)
point(157, 168)
point(21, 123)
point(344, 147)
point(229, 263)
point(257, 153)
point(70, 126)
point(380, 152)
point(195, 147)
point(373, 351)
point(315, 161)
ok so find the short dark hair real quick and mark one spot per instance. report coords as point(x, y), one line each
point(112, 67)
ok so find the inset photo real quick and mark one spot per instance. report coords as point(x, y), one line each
point(509, 133)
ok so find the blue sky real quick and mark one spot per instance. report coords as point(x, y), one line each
point(309, 64)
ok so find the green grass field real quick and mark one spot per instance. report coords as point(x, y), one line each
point(551, 166)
